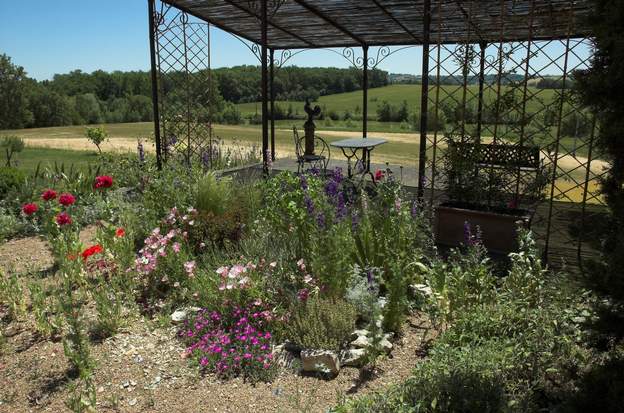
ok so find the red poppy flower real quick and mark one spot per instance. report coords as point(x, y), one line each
point(103, 181)
point(29, 209)
point(67, 199)
point(95, 249)
point(48, 195)
point(379, 175)
point(63, 219)
point(120, 232)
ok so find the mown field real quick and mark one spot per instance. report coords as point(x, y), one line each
point(396, 94)
point(68, 144)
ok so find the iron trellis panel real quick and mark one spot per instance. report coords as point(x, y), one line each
point(185, 93)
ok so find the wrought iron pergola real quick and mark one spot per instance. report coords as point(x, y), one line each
point(504, 46)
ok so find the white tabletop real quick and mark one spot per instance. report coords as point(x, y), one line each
point(358, 142)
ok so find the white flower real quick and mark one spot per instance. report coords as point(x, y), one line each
point(425, 289)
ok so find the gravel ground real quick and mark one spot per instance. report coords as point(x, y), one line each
point(141, 368)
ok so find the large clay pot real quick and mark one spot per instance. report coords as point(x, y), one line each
point(498, 229)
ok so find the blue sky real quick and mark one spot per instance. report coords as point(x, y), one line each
point(48, 37)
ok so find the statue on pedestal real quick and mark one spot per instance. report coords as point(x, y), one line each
point(310, 127)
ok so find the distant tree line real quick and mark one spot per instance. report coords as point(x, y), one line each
point(240, 84)
point(78, 98)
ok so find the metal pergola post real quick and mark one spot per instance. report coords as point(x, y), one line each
point(483, 46)
point(272, 97)
point(424, 101)
point(151, 9)
point(365, 91)
point(265, 109)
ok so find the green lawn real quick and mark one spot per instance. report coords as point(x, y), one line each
point(31, 157)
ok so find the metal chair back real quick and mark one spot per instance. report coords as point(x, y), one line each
point(297, 139)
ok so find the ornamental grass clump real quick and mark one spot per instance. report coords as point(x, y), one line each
point(234, 341)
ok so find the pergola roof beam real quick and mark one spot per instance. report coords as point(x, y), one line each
point(270, 23)
point(389, 14)
point(329, 20)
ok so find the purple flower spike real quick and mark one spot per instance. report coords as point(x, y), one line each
point(320, 220)
point(414, 210)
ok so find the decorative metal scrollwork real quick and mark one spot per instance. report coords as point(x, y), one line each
point(284, 56)
point(373, 61)
point(279, 59)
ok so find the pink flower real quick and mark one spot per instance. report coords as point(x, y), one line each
point(303, 294)
point(189, 267)
point(236, 270)
point(176, 247)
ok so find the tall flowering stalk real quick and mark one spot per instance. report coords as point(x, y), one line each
point(141, 152)
point(63, 235)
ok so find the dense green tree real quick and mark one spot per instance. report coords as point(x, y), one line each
point(78, 97)
point(50, 108)
point(601, 89)
point(14, 113)
point(88, 107)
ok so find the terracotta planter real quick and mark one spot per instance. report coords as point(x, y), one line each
point(498, 229)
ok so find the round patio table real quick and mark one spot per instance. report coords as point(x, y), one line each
point(350, 148)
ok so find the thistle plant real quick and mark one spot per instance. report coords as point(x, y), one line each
point(48, 323)
point(11, 293)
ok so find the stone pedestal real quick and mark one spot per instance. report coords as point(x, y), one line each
point(309, 128)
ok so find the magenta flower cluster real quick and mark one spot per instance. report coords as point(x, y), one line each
point(233, 342)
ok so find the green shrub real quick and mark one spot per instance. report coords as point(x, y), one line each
point(453, 380)
point(11, 146)
point(321, 324)
point(10, 225)
point(96, 136)
point(10, 179)
point(508, 347)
